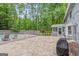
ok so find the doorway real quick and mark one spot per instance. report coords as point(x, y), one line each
point(60, 31)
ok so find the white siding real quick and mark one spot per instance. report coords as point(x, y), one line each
point(75, 19)
point(75, 15)
point(66, 31)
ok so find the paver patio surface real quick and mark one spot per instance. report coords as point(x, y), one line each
point(34, 46)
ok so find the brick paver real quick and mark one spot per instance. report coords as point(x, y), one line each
point(35, 46)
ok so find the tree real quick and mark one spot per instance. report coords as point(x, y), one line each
point(36, 16)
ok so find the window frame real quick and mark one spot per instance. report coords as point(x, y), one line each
point(70, 30)
point(55, 29)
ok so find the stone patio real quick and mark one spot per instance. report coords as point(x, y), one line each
point(34, 46)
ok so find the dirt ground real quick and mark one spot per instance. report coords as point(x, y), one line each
point(34, 46)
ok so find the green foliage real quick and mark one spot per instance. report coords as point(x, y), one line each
point(47, 15)
point(4, 17)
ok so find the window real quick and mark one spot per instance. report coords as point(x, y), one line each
point(55, 29)
point(63, 29)
point(69, 30)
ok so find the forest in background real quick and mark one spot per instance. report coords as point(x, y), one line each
point(31, 16)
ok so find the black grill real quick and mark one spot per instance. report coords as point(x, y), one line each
point(62, 47)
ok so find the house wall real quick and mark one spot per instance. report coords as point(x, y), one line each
point(56, 33)
point(74, 19)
